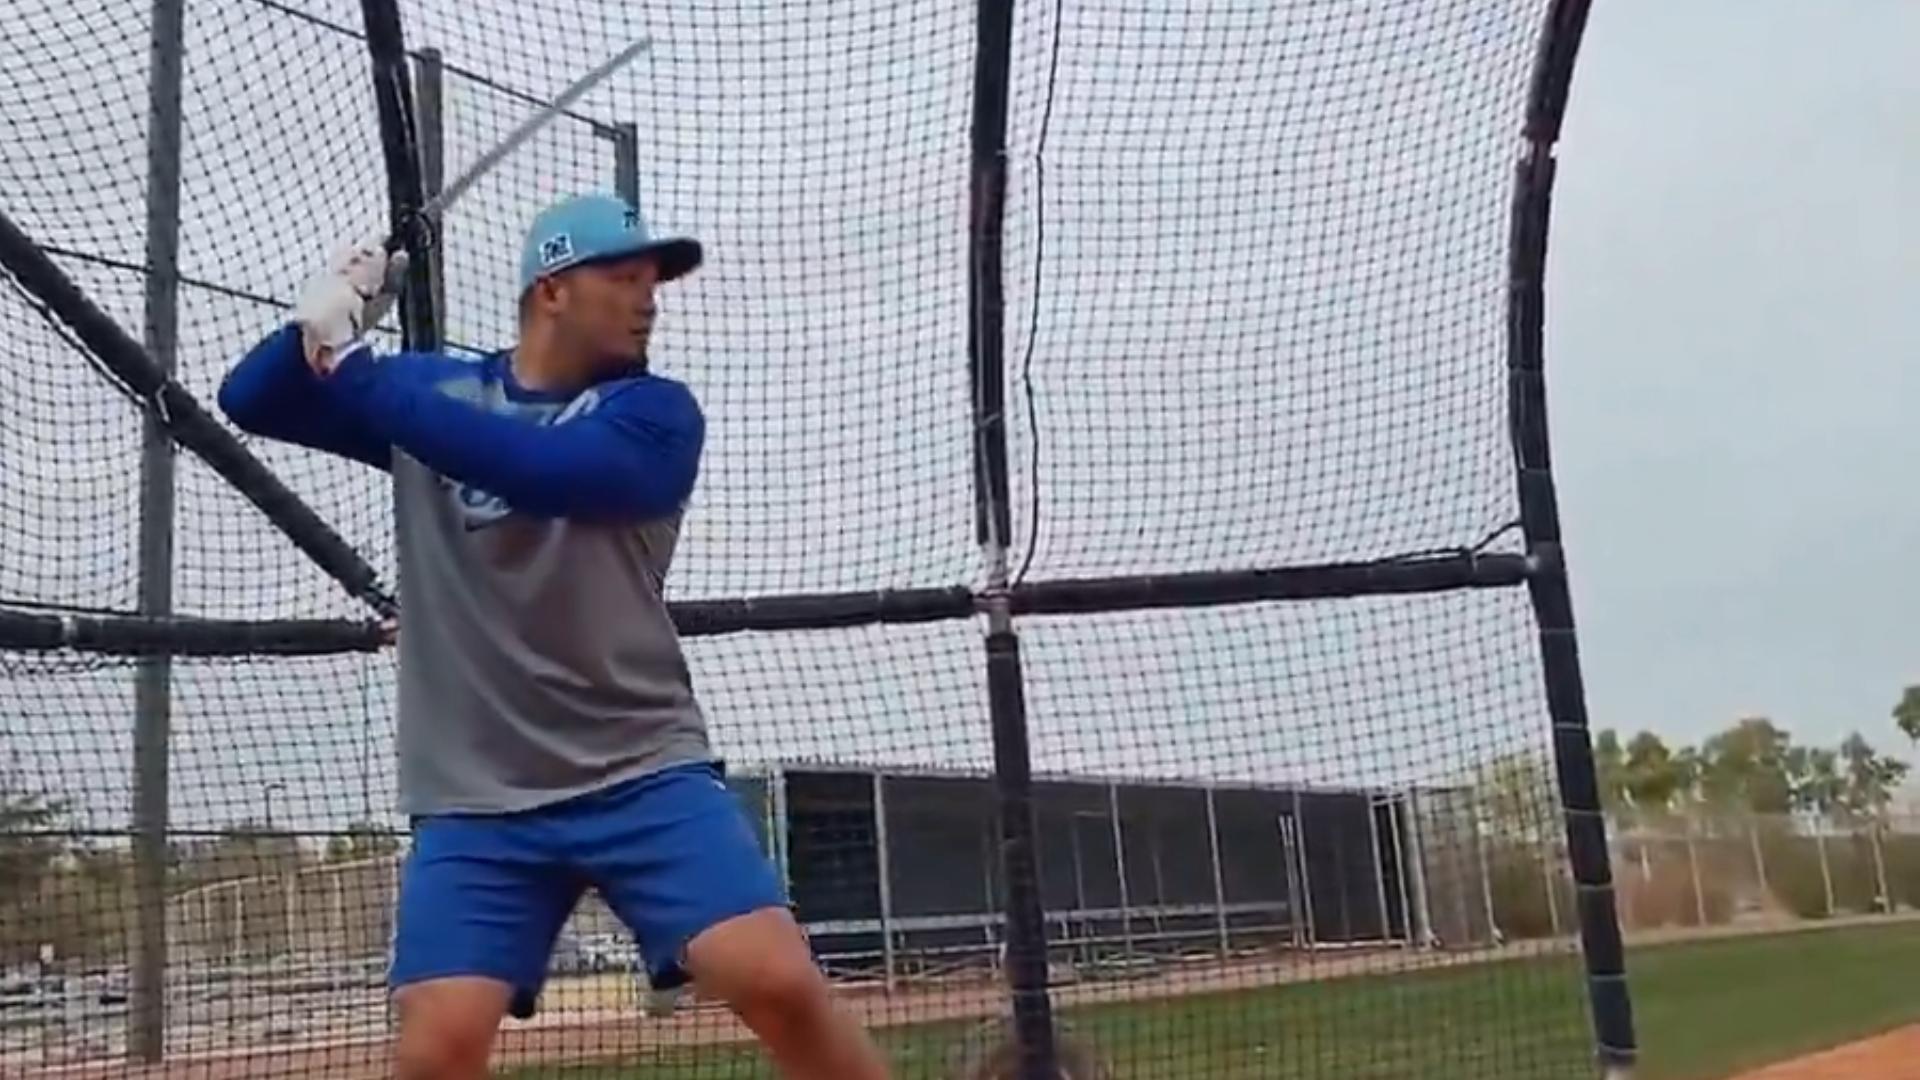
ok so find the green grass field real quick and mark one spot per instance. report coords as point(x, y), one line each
point(1703, 1010)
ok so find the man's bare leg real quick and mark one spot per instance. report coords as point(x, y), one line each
point(447, 1027)
point(760, 966)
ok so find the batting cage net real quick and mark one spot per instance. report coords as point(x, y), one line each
point(1123, 577)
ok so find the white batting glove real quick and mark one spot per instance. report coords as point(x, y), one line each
point(338, 304)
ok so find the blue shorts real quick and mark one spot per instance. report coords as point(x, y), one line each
point(672, 854)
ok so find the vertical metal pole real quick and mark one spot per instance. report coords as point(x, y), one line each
point(288, 902)
point(1078, 922)
point(1460, 872)
point(344, 930)
point(429, 96)
point(1397, 814)
point(152, 724)
point(1549, 866)
point(886, 876)
point(777, 796)
point(1290, 854)
point(366, 744)
point(1417, 859)
point(1219, 879)
point(1306, 871)
point(1120, 871)
point(1486, 880)
point(1616, 852)
point(993, 518)
point(990, 930)
point(400, 152)
point(1548, 590)
point(1026, 918)
point(1159, 879)
point(1379, 867)
point(1826, 870)
point(1887, 906)
point(1693, 872)
point(626, 161)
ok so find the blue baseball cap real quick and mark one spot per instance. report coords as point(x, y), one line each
point(595, 228)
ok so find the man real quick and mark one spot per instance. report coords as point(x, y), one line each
point(549, 737)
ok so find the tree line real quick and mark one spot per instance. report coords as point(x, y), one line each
point(1753, 766)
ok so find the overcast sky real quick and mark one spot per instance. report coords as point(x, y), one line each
point(1734, 362)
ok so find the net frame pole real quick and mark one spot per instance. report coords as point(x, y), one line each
point(1026, 931)
point(400, 147)
point(153, 679)
point(429, 95)
point(626, 160)
point(1548, 591)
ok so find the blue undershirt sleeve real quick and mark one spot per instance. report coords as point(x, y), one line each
point(635, 456)
point(273, 393)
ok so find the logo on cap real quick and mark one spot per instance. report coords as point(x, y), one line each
point(630, 220)
point(555, 248)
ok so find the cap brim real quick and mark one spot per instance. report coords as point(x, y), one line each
point(676, 257)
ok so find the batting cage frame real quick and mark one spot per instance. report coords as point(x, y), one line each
point(885, 918)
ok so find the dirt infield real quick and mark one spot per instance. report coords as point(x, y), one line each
point(1892, 1056)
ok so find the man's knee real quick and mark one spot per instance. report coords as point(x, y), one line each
point(789, 986)
point(761, 966)
point(447, 1028)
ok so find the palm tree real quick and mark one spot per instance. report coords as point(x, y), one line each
point(1906, 714)
point(1866, 790)
point(1818, 791)
point(1817, 786)
point(1870, 779)
point(1688, 768)
point(1653, 778)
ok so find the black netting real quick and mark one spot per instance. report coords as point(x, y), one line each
point(1255, 263)
point(820, 154)
point(1257, 283)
